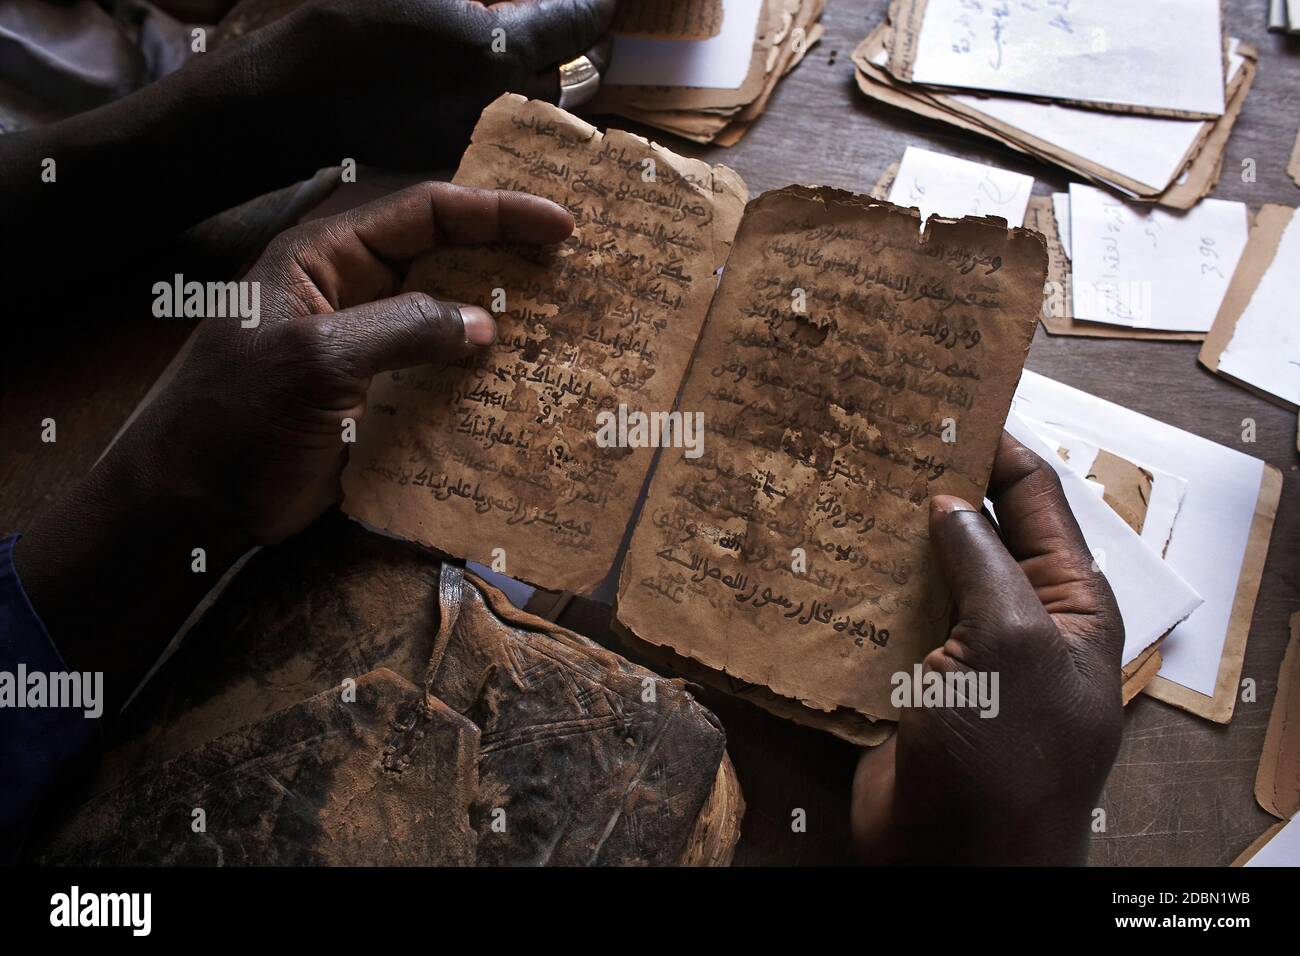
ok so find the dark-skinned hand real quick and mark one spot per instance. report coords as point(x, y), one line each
point(400, 83)
point(252, 425)
point(245, 445)
point(1020, 787)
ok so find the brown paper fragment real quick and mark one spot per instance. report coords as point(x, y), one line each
point(1293, 167)
point(1139, 672)
point(1261, 248)
point(885, 183)
point(1277, 784)
point(840, 341)
point(1128, 487)
point(501, 451)
point(668, 19)
point(1219, 708)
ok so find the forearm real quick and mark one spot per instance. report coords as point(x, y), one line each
point(111, 569)
point(227, 127)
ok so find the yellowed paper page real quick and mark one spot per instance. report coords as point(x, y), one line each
point(668, 19)
point(851, 367)
point(497, 459)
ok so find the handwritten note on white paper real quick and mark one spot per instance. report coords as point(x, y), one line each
point(720, 62)
point(1213, 527)
point(1158, 54)
point(942, 185)
point(1149, 268)
point(1264, 350)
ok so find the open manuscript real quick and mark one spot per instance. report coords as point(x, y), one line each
point(843, 369)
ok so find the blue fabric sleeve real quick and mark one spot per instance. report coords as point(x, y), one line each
point(43, 721)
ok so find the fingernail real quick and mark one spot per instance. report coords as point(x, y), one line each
point(480, 327)
point(947, 504)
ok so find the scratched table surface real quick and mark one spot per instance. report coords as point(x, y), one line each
point(1181, 791)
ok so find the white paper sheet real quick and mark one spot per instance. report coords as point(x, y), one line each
point(1213, 526)
point(1167, 490)
point(1152, 596)
point(1061, 211)
point(1277, 18)
point(948, 186)
point(1165, 54)
point(1149, 149)
point(1264, 350)
point(1150, 268)
point(1282, 850)
point(720, 62)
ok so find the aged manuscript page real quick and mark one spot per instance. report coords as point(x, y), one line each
point(501, 452)
point(850, 368)
point(668, 19)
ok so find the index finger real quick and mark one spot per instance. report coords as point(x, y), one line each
point(417, 219)
point(358, 256)
point(1032, 513)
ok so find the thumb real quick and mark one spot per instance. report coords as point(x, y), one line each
point(404, 331)
point(997, 609)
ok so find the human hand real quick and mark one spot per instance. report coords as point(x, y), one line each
point(250, 431)
point(400, 83)
point(1019, 787)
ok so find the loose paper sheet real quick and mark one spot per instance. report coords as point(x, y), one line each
point(1149, 268)
point(1160, 54)
point(720, 62)
point(839, 342)
point(1264, 350)
point(953, 187)
point(1200, 165)
point(1149, 149)
point(1058, 296)
point(668, 19)
point(1147, 497)
point(501, 452)
point(1216, 528)
point(1152, 596)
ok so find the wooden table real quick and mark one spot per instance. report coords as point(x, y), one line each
point(1181, 791)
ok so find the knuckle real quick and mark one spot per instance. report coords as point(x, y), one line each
point(419, 308)
point(308, 337)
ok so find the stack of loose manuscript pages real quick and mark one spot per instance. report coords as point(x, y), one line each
point(1107, 89)
point(704, 69)
point(1179, 525)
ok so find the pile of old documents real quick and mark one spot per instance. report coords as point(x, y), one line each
point(1057, 82)
point(704, 69)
